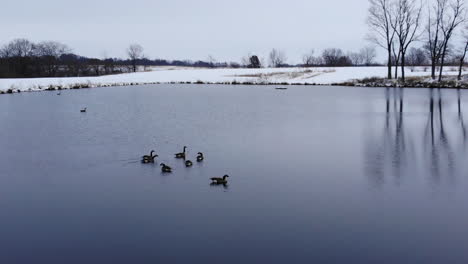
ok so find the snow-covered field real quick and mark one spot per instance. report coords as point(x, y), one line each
point(174, 74)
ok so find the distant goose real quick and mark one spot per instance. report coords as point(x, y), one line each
point(188, 163)
point(149, 158)
point(83, 110)
point(200, 157)
point(181, 155)
point(222, 180)
point(165, 168)
point(59, 93)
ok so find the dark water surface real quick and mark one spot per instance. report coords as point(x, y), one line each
point(318, 175)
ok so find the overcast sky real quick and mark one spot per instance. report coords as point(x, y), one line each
point(188, 29)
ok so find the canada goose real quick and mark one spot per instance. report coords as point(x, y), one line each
point(149, 158)
point(181, 155)
point(188, 163)
point(200, 157)
point(222, 180)
point(165, 168)
point(83, 110)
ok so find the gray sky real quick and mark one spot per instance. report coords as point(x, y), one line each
point(187, 29)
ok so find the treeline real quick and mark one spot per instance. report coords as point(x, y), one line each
point(22, 58)
point(438, 26)
point(332, 57)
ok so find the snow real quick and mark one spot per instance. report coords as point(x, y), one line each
point(183, 74)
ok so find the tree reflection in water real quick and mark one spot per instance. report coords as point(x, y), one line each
point(404, 147)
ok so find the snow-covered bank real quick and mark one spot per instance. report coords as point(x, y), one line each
point(324, 76)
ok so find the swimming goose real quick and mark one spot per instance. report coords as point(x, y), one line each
point(149, 158)
point(200, 157)
point(188, 163)
point(181, 155)
point(165, 168)
point(83, 110)
point(222, 180)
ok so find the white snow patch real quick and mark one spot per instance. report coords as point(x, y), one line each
point(325, 75)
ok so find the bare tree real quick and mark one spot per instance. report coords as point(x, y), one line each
point(356, 58)
point(416, 57)
point(277, 58)
point(332, 56)
point(50, 52)
point(335, 57)
point(396, 51)
point(450, 21)
point(463, 54)
point(365, 56)
point(245, 61)
point(381, 24)
point(51, 48)
point(135, 52)
point(434, 43)
point(18, 48)
point(308, 59)
point(211, 61)
point(407, 16)
point(19, 52)
point(368, 55)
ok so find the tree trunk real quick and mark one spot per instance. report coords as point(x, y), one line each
point(460, 69)
point(442, 61)
point(396, 70)
point(441, 69)
point(389, 64)
point(462, 62)
point(403, 67)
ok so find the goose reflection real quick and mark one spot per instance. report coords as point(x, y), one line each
point(224, 185)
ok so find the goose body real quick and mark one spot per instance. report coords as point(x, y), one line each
point(222, 180)
point(149, 158)
point(200, 157)
point(165, 168)
point(181, 155)
point(83, 110)
point(188, 163)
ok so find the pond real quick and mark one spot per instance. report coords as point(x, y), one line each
point(317, 175)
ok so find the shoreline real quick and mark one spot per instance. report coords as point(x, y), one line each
point(321, 76)
point(315, 76)
point(410, 85)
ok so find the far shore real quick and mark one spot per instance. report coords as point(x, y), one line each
point(417, 77)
